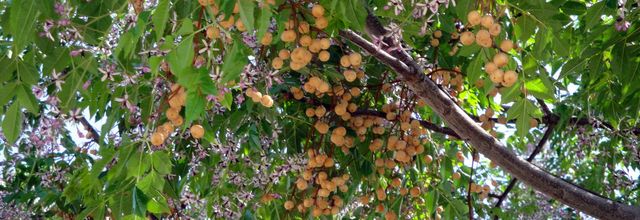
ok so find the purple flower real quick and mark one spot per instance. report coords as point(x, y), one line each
point(86, 84)
point(75, 53)
point(59, 8)
point(37, 91)
point(64, 22)
point(57, 79)
point(622, 25)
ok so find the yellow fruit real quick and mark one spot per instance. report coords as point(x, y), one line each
point(510, 77)
point(506, 45)
point(305, 40)
point(456, 176)
point(228, 23)
point(172, 114)
point(303, 27)
point(490, 67)
point(240, 26)
point(266, 101)
point(345, 61)
point(396, 182)
point(467, 38)
point(381, 194)
point(277, 63)
point(533, 122)
point(473, 17)
point(178, 121)
point(501, 59)
point(288, 36)
point(428, 159)
point(483, 38)
point(434, 42)
point(322, 23)
point(487, 21)
point(197, 131)
point(288, 205)
point(495, 29)
point(157, 138)
point(325, 43)
point(414, 192)
point(437, 34)
point(324, 56)
point(497, 76)
point(213, 32)
point(284, 54)
point(317, 11)
point(390, 215)
point(355, 59)
point(266, 39)
point(349, 75)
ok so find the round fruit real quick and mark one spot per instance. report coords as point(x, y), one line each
point(157, 139)
point(474, 18)
point(288, 205)
point(305, 40)
point(487, 21)
point(197, 131)
point(495, 29)
point(322, 23)
point(490, 67)
point(437, 34)
point(497, 76)
point(288, 36)
point(266, 39)
point(355, 59)
point(284, 54)
point(510, 77)
point(501, 59)
point(350, 75)
point(434, 42)
point(213, 32)
point(506, 45)
point(324, 56)
point(325, 43)
point(456, 176)
point(483, 38)
point(277, 63)
point(467, 38)
point(266, 101)
point(345, 61)
point(317, 11)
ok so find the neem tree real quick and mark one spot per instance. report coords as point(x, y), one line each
point(278, 109)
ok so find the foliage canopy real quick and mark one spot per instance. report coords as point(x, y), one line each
point(278, 109)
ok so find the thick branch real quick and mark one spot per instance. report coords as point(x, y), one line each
point(95, 136)
point(536, 151)
point(472, 133)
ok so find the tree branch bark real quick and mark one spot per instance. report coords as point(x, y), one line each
point(469, 131)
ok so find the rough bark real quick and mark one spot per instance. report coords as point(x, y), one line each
point(455, 117)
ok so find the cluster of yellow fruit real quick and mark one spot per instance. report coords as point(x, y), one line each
point(435, 41)
point(451, 80)
point(489, 29)
point(256, 96)
point(320, 199)
point(176, 101)
point(307, 44)
point(316, 86)
point(353, 60)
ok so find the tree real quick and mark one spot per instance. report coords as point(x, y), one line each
point(331, 108)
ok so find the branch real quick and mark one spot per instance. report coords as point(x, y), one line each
point(368, 112)
point(536, 151)
point(472, 133)
point(95, 136)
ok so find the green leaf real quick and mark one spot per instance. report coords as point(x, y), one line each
point(7, 92)
point(574, 65)
point(538, 89)
point(26, 72)
point(158, 205)
point(151, 183)
point(525, 27)
point(23, 22)
point(27, 99)
point(181, 58)
point(186, 27)
point(593, 14)
point(161, 162)
point(353, 13)
point(246, 13)
point(228, 100)
point(234, 61)
point(160, 17)
point(263, 22)
point(474, 70)
point(194, 107)
point(12, 123)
